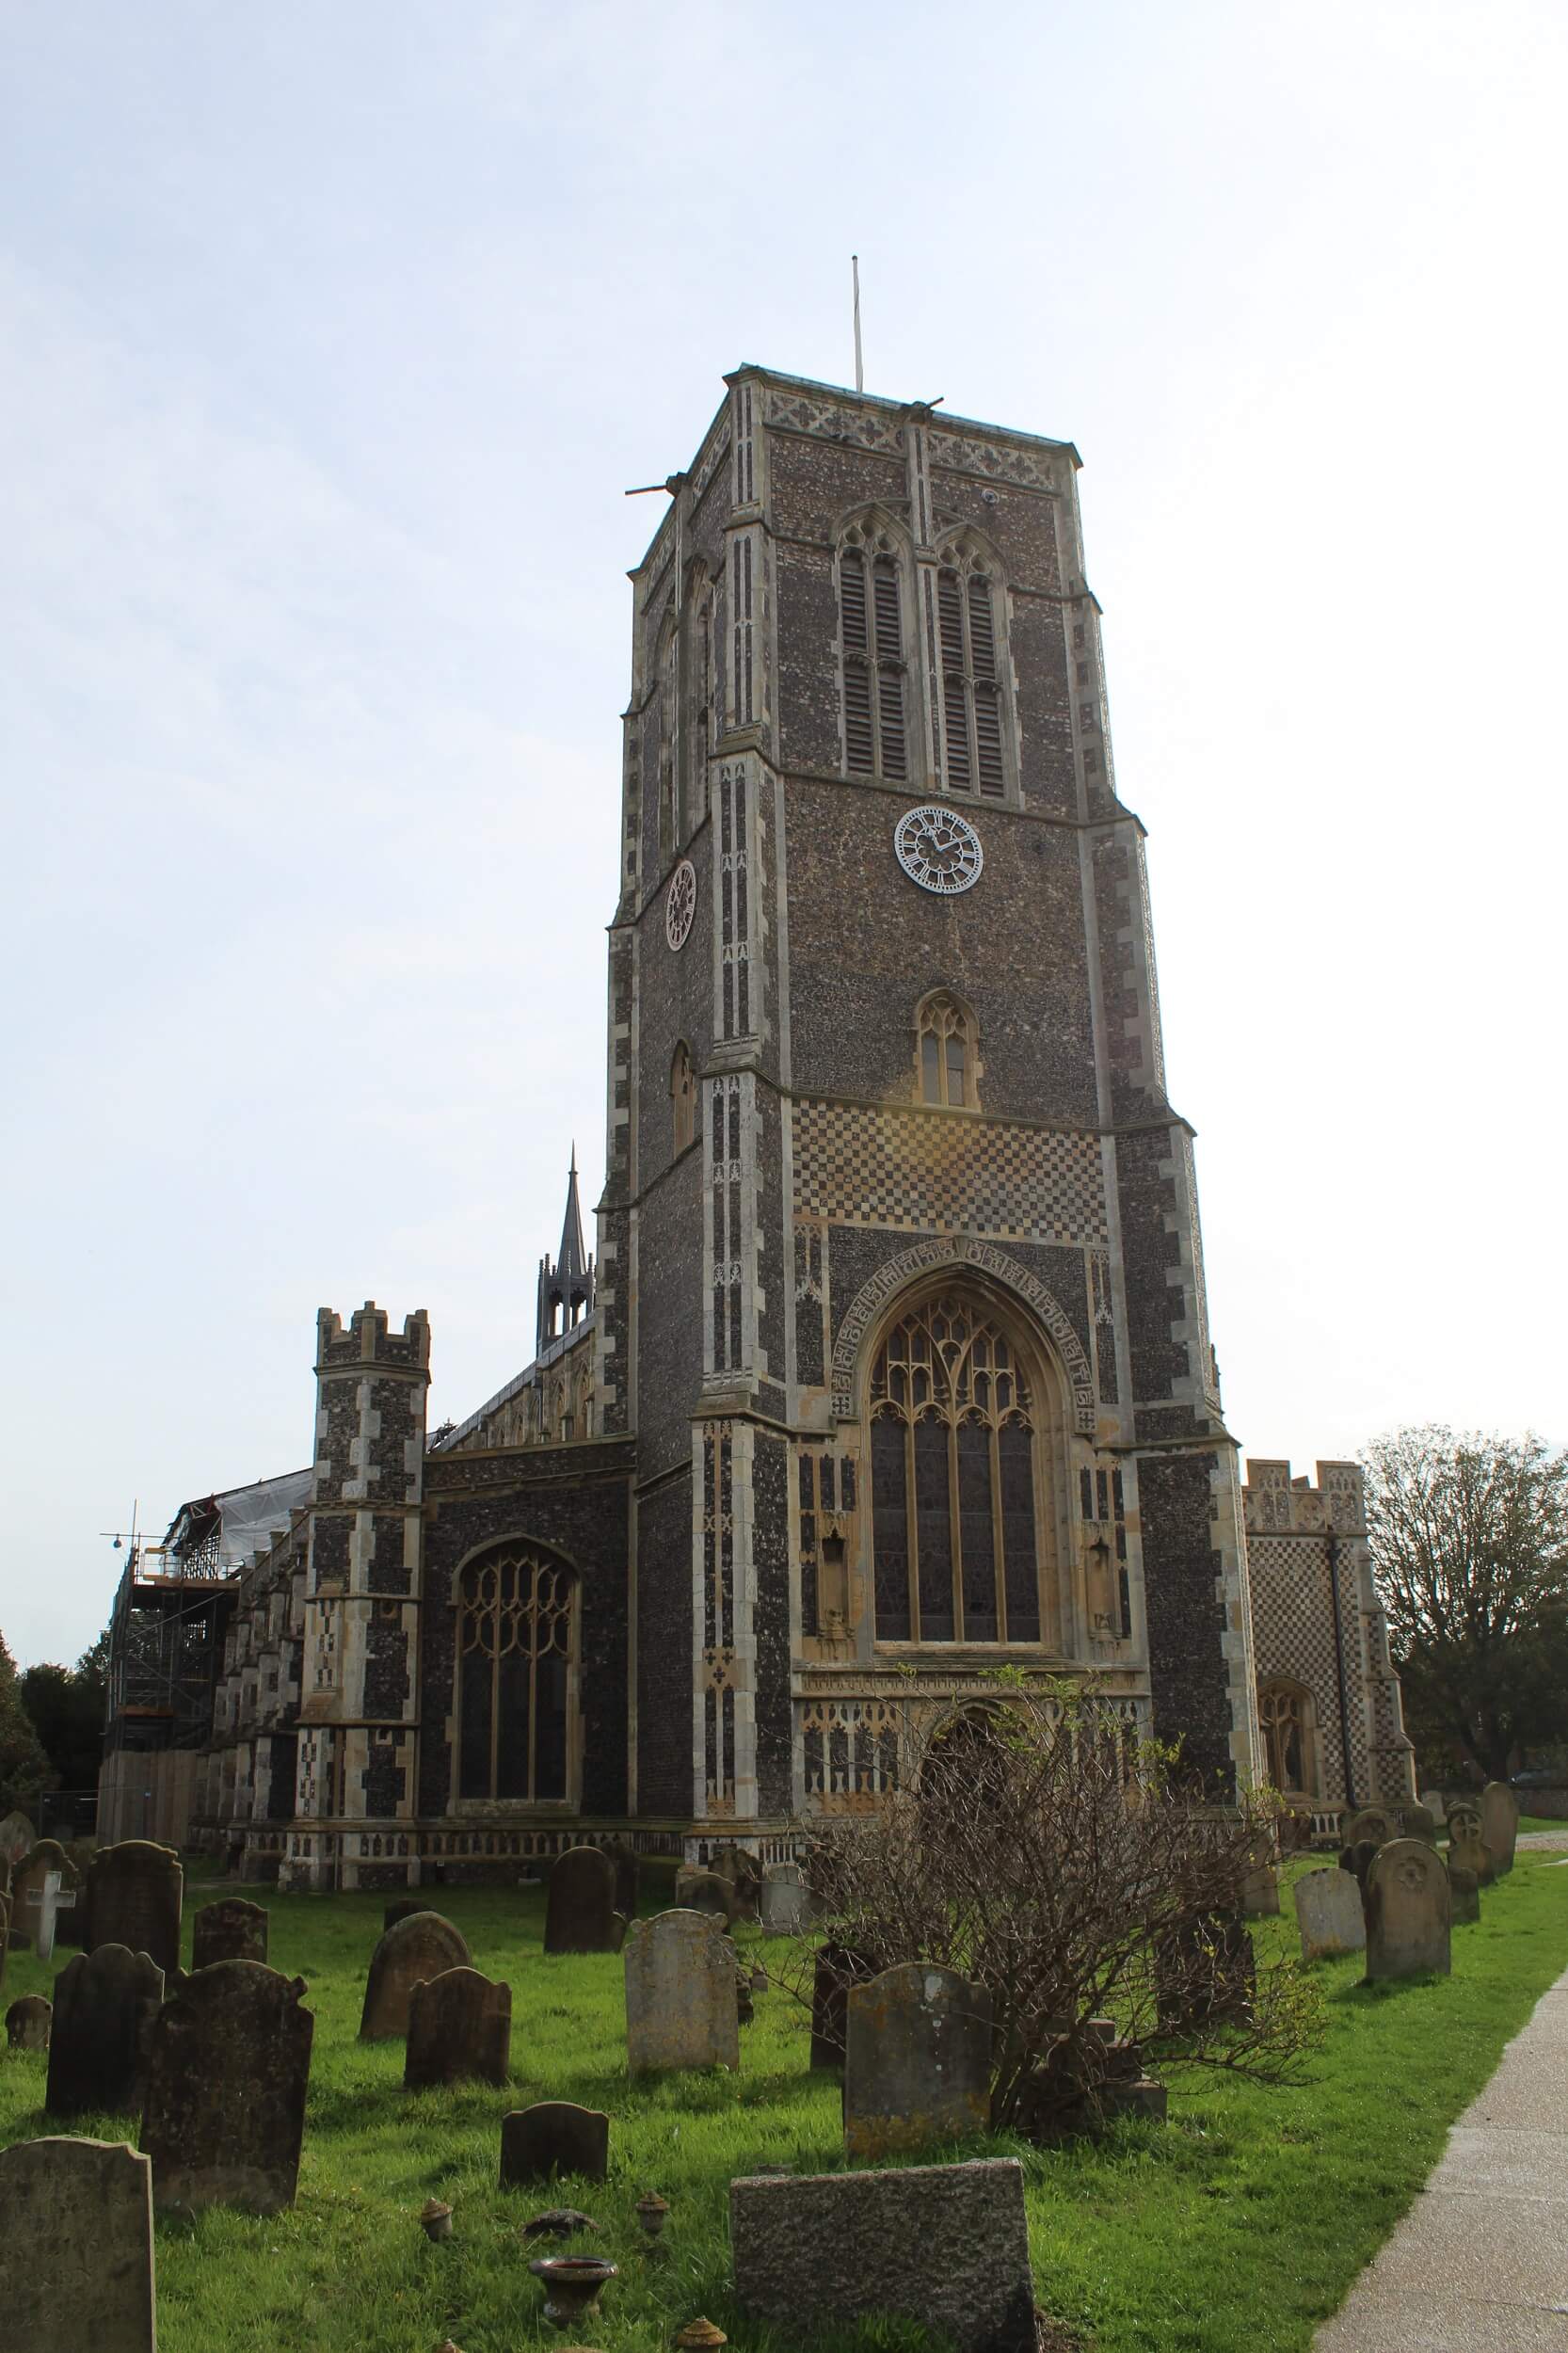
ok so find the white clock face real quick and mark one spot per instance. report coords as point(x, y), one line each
point(938, 849)
point(680, 906)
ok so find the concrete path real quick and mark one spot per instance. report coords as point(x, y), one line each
point(1479, 2264)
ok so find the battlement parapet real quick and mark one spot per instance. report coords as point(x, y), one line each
point(1277, 1505)
point(369, 1340)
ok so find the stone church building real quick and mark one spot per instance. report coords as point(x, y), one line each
point(891, 1364)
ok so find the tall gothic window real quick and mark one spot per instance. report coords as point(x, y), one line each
point(958, 1482)
point(515, 1652)
point(945, 1053)
point(871, 622)
point(1285, 1718)
point(968, 630)
point(682, 1096)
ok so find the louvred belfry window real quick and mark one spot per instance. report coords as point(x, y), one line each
point(973, 757)
point(872, 620)
point(956, 1490)
point(515, 1652)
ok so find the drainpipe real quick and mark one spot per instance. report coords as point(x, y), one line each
point(1339, 1665)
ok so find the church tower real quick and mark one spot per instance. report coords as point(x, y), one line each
point(900, 1283)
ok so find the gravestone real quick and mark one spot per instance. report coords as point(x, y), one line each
point(403, 1908)
point(1499, 1825)
point(1418, 1821)
point(46, 1905)
point(77, 2248)
point(1466, 1847)
point(837, 1967)
point(706, 1891)
point(580, 1904)
point(786, 1902)
point(106, 2005)
point(623, 1860)
point(459, 2031)
point(1465, 1893)
point(945, 2247)
point(1357, 1861)
point(231, 1931)
point(420, 1946)
point(1329, 1915)
point(17, 1838)
point(553, 2136)
point(1260, 1884)
point(681, 2001)
point(134, 1891)
point(916, 2061)
point(27, 2022)
point(29, 1877)
point(742, 1875)
point(1408, 1911)
point(228, 2065)
point(1377, 1822)
point(1436, 1805)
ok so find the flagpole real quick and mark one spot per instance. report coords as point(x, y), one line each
point(859, 369)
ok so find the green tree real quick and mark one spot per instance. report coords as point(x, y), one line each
point(66, 1706)
point(1469, 1537)
point(25, 1771)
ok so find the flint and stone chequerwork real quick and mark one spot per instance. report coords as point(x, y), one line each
point(892, 1368)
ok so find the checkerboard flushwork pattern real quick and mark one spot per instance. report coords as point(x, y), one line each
point(919, 1171)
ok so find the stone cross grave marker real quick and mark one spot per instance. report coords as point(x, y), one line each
point(231, 1931)
point(1499, 1824)
point(681, 2009)
point(1468, 1848)
point(227, 2072)
point(1329, 1915)
point(944, 2246)
point(77, 2248)
point(786, 1902)
point(49, 1901)
point(916, 2060)
point(27, 2022)
point(134, 1893)
point(580, 1904)
point(30, 1877)
point(459, 2031)
point(553, 2136)
point(1409, 1909)
point(423, 1945)
point(106, 2005)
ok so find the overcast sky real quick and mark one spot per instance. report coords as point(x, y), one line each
point(331, 336)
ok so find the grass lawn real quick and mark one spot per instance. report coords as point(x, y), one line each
point(1234, 2229)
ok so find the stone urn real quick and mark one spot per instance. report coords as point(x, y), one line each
point(571, 2285)
point(652, 2212)
point(436, 2219)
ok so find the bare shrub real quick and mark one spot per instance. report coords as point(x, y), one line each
point(1068, 1868)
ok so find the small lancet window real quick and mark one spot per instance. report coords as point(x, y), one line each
point(872, 619)
point(682, 1096)
point(946, 1072)
point(973, 759)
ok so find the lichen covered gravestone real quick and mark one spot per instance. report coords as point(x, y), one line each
point(681, 2001)
point(1329, 1915)
point(916, 2060)
point(27, 2022)
point(1418, 1821)
point(786, 1901)
point(1468, 1848)
point(459, 2031)
point(706, 1891)
point(106, 2005)
point(420, 1946)
point(945, 2247)
point(231, 1931)
point(553, 2136)
point(1408, 1911)
point(75, 2247)
point(133, 1894)
point(580, 1904)
point(227, 2072)
point(1499, 1824)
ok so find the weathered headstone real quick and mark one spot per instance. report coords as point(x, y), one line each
point(580, 1904)
point(77, 2248)
point(27, 2022)
point(918, 2061)
point(420, 1946)
point(943, 2246)
point(1464, 1892)
point(1377, 1822)
point(837, 1967)
point(1499, 1824)
point(1468, 1848)
point(106, 2005)
point(1261, 1885)
point(231, 1931)
point(459, 2031)
point(134, 1892)
point(45, 1906)
point(706, 1891)
point(1408, 1911)
point(742, 1875)
point(404, 1907)
point(786, 1902)
point(30, 1879)
point(1329, 1915)
point(553, 2136)
point(628, 1872)
point(1357, 1861)
point(1436, 1805)
point(680, 1999)
point(227, 2072)
point(17, 1837)
point(1418, 1821)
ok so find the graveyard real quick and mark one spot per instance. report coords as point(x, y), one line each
point(1240, 2222)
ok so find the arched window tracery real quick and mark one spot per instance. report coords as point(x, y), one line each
point(962, 1486)
point(517, 1657)
point(947, 1069)
point(969, 632)
point(1285, 1716)
point(870, 620)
